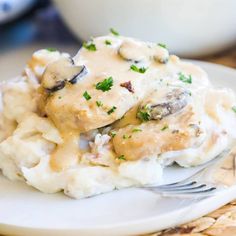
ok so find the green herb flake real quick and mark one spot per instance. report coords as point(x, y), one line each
point(185, 79)
point(51, 49)
point(141, 70)
point(89, 46)
point(122, 157)
point(136, 130)
point(114, 32)
point(111, 110)
point(125, 136)
point(105, 85)
point(112, 134)
point(86, 95)
point(234, 108)
point(144, 113)
point(99, 103)
point(144, 116)
point(164, 127)
point(108, 42)
point(162, 45)
point(59, 97)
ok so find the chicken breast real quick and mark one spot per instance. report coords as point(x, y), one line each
point(170, 122)
point(108, 89)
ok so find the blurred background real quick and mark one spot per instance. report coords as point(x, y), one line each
point(203, 29)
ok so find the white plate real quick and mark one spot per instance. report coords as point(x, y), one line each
point(25, 211)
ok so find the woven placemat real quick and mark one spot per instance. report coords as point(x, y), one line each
point(221, 222)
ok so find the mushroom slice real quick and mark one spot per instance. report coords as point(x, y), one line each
point(61, 71)
point(77, 77)
point(161, 55)
point(134, 51)
point(167, 104)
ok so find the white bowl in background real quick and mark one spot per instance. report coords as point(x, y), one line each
point(190, 28)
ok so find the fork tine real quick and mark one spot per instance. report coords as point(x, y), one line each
point(186, 189)
point(198, 190)
point(205, 190)
point(208, 190)
point(177, 184)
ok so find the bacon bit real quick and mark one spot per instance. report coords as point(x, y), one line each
point(128, 86)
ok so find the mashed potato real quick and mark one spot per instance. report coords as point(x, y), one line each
point(141, 128)
point(28, 140)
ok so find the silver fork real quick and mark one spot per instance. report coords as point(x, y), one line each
point(198, 185)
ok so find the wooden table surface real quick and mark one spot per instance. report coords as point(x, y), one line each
point(221, 222)
point(227, 58)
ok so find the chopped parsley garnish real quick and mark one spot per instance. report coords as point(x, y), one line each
point(105, 85)
point(59, 97)
point(162, 45)
point(234, 108)
point(111, 110)
point(108, 42)
point(112, 134)
point(114, 32)
point(164, 127)
point(144, 114)
point(141, 70)
point(185, 79)
point(51, 49)
point(136, 130)
point(99, 103)
point(89, 46)
point(125, 136)
point(122, 157)
point(86, 95)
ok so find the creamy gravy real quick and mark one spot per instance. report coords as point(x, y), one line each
point(145, 67)
point(66, 154)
